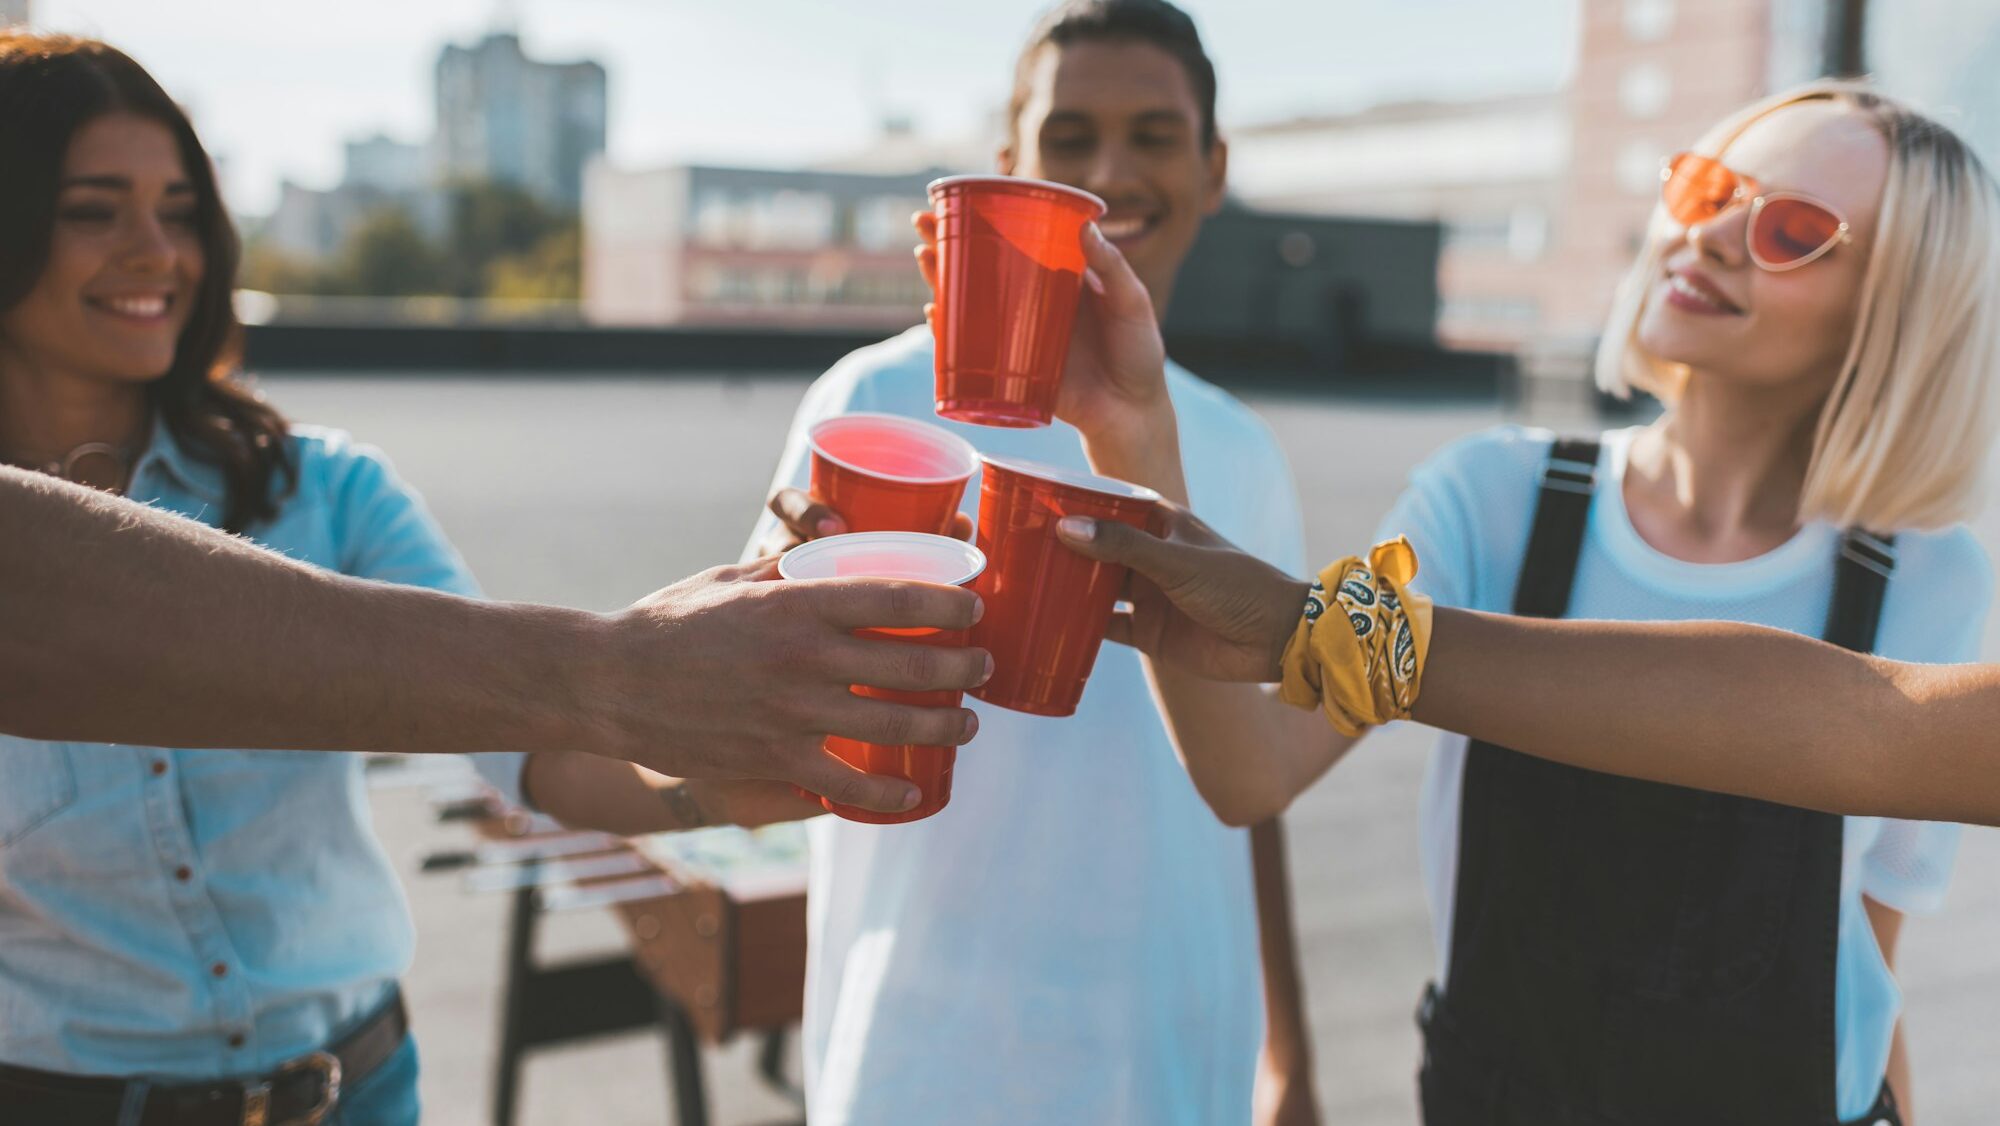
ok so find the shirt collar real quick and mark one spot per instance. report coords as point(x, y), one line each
point(165, 457)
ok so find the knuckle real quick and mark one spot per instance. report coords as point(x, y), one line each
point(919, 666)
point(899, 726)
point(905, 601)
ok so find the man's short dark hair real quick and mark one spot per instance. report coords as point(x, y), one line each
point(1153, 22)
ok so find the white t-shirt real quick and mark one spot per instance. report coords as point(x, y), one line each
point(1468, 510)
point(1074, 938)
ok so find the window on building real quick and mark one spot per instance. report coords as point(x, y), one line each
point(1638, 168)
point(1644, 90)
point(1648, 21)
point(882, 223)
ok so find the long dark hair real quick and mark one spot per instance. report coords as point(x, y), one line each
point(51, 86)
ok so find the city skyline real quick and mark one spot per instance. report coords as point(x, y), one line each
point(709, 83)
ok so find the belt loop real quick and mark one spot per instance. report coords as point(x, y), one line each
point(133, 1109)
point(256, 1104)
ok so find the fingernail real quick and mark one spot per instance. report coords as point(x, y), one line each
point(1096, 236)
point(978, 609)
point(971, 725)
point(1095, 283)
point(829, 526)
point(1080, 528)
point(911, 796)
point(988, 674)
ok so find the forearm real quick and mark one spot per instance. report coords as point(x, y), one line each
point(1898, 1077)
point(1737, 709)
point(1249, 753)
point(119, 623)
point(1287, 1035)
point(589, 792)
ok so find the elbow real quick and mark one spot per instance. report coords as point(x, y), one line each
point(1241, 809)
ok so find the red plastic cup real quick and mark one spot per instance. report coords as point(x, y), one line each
point(1010, 268)
point(884, 473)
point(1047, 606)
point(894, 555)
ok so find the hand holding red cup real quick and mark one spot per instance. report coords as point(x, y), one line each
point(901, 555)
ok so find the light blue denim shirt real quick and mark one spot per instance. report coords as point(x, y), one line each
point(208, 913)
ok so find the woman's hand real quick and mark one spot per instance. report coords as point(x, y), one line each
point(1114, 387)
point(1198, 603)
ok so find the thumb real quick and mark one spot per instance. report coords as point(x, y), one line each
point(1111, 542)
point(1123, 294)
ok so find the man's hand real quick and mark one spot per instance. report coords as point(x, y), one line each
point(1114, 387)
point(730, 675)
point(1198, 603)
point(801, 518)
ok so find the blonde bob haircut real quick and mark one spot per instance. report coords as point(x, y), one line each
point(1903, 437)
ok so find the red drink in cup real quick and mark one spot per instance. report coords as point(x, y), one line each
point(1010, 268)
point(884, 473)
point(894, 555)
point(1047, 606)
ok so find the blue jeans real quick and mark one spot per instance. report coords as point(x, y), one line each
point(386, 1096)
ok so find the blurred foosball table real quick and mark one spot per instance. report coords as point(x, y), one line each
point(715, 922)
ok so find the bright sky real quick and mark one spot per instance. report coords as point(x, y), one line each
point(276, 85)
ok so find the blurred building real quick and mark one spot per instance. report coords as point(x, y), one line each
point(386, 164)
point(312, 224)
point(506, 118)
point(1491, 172)
point(1544, 199)
point(701, 245)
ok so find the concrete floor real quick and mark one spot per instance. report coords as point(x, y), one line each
point(592, 492)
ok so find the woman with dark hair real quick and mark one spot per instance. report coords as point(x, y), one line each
point(196, 936)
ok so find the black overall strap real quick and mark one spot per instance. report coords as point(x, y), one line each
point(1548, 570)
point(1860, 580)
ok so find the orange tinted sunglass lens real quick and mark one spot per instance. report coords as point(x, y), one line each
point(1696, 188)
point(1788, 230)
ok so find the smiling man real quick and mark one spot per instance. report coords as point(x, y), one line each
point(1076, 939)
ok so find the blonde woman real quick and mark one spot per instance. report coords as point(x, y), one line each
point(1815, 306)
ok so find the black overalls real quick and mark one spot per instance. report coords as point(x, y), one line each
point(1628, 952)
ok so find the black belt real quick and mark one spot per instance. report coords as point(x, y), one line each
point(300, 1092)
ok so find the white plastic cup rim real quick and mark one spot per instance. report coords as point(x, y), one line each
point(937, 437)
point(1016, 182)
point(1076, 479)
point(916, 556)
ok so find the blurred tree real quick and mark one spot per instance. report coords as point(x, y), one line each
point(490, 222)
point(271, 270)
point(552, 271)
point(498, 242)
point(387, 256)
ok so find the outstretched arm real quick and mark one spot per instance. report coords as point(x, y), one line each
point(119, 623)
point(1732, 708)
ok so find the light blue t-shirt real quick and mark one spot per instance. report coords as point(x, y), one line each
point(1074, 938)
point(1468, 511)
point(204, 913)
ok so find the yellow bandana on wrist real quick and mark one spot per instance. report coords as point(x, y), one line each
point(1360, 646)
